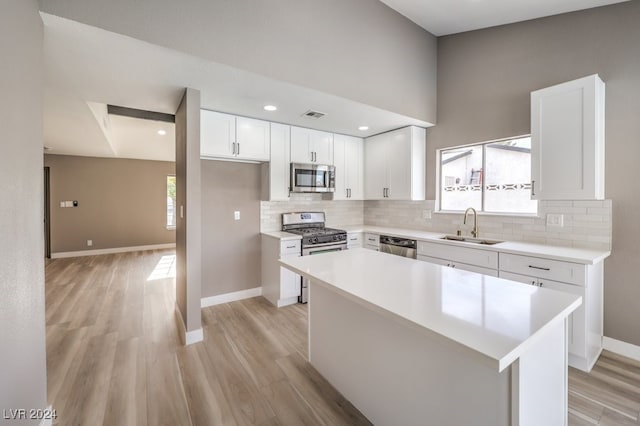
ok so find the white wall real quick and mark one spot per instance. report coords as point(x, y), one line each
point(23, 381)
point(356, 49)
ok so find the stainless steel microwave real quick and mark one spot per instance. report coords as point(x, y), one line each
point(312, 178)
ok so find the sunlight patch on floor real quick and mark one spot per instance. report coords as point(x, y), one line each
point(165, 268)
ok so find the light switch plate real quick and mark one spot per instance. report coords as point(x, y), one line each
point(236, 215)
point(555, 219)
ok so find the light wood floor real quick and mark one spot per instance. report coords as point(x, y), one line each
point(113, 357)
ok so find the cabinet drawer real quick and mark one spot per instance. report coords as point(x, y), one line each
point(372, 240)
point(555, 270)
point(354, 239)
point(289, 247)
point(475, 257)
point(460, 265)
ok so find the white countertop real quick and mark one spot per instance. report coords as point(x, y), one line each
point(281, 235)
point(493, 316)
point(566, 254)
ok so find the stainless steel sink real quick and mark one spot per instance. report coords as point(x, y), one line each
point(470, 240)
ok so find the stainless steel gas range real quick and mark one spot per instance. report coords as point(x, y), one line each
point(316, 238)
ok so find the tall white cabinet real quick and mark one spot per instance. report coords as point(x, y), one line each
point(348, 155)
point(225, 136)
point(311, 146)
point(567, 141)
point(394, 165)
point(275, 173)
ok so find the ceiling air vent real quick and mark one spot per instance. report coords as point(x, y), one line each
point(313, 114)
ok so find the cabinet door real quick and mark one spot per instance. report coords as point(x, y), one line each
point(340, 161)
point(399, 165)
point(217, 134)
point(375, 167)
point(289, 284)
point(354, 158)
point(279, 168)
point(252, 139)
point(301, 145)
point(322, 147)
point(348, 157)
point(577, 320)
point(567, 141)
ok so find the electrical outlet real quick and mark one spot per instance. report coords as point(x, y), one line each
point(89, 243)
point(426, 214)
point(555, 219)
point(236, 215)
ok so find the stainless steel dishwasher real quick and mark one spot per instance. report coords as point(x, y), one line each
point(399, 246)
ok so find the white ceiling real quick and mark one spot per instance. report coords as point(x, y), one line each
point(442, 17)
point(87, 68)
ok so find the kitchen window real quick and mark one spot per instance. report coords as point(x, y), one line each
point(492, 177)
point(171, 202)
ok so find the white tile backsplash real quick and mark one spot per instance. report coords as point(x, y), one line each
point(587, 224)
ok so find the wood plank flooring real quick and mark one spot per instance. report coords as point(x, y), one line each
point(114, 358)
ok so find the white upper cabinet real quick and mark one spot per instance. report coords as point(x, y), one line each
point(311, 146)
point(348, 155)
point(394, 165)
point(226, 136)
point(275, 176)
point(567, 141)
point(217, 134)
point(252, 139)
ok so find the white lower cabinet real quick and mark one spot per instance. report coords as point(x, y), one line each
point(372, 241)
point(354, 240)
point(585, 325)
point(280, 286)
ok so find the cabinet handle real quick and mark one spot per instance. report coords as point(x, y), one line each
point(349, 192)
point(233, 148)
point(533, 282)
point(291, 246)
point(238, 148)
point(539, 267)
point(540, 284)
point(533, 188)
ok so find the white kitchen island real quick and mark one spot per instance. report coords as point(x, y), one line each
point(413, 343)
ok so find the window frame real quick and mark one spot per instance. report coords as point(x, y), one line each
point(481, 211)
point(166, 207)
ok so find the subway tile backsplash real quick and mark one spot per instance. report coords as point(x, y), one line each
point(337, 212)
point(587, 224)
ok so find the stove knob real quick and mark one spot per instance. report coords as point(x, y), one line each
point(343, 237)
point(336, 237)
point(314, 240)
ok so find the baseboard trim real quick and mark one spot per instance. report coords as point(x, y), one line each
point(80, 253)
point(47, 421)
point(187, 337)
point(621, 348)
point(230, 297)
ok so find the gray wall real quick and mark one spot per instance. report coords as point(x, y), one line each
point(188, 227)
point(485, 78)
point(230, 248)
point(334, 46)
point(122, 203)
point(23, 382)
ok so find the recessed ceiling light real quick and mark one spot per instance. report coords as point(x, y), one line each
point(363, 128)
point(270, 108)
point(162, 132)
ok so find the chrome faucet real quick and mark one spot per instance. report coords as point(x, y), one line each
point(474, 231)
